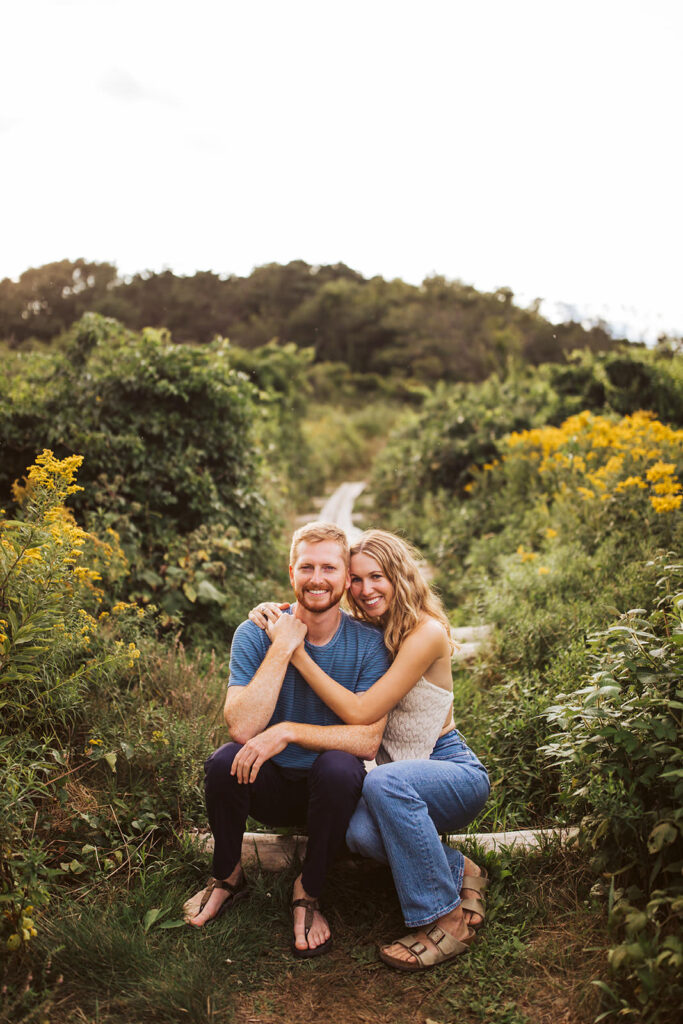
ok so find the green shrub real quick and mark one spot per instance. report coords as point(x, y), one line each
point(618, 745)
point(176, 440)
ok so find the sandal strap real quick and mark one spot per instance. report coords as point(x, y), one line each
point(311, 905)
point(475, 906)
point(219, 883)
point(479, 883)
point(414, 945)
point(446, 946)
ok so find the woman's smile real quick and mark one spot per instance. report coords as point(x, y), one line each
point(371, 589)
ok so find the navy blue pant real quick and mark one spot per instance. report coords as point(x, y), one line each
point(322, 800)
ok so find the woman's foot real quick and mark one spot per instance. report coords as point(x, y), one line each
point(453, 924)
point(472, 918)
point(318, 930)
point(218, 897)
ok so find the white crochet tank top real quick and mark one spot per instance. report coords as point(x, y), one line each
point(413, 726)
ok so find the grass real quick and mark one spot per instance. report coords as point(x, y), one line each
point(534, 961)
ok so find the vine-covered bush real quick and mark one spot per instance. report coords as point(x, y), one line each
point(176, 441)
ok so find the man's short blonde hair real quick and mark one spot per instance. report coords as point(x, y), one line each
point(313, 533)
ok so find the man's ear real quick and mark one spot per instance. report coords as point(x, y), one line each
point(347, 584)
point(291, 576)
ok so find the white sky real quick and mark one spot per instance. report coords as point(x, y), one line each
point(534, 144)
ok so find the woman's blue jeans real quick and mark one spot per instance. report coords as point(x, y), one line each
point(404, 809)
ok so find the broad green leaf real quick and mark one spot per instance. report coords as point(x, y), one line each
point(151, 916)
point(207, 592)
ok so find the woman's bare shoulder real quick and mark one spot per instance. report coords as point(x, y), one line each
point(431, 631)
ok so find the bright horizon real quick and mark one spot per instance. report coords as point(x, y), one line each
point(529, 146)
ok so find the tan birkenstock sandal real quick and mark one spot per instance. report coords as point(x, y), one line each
point(311, 906)
point(446, 947)
point(473, 904)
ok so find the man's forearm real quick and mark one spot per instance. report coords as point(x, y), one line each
point(361, 740)
point(248, 709)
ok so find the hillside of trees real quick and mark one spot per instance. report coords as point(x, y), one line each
point(441, 330)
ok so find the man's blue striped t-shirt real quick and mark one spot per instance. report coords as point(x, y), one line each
point(355, 657)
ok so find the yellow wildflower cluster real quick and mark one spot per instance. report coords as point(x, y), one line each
point(600, 459)
point(133, 655)
point(55, 476)
point(25, 929)
point(526, 556)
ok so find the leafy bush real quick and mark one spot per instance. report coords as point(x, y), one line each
point(104, 730)
point(436, 454)
point(618, 746)
point(175, 440)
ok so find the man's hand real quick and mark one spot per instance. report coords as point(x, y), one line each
point(287, 631)
point(259, 749)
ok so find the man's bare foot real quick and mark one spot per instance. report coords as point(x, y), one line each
point(454, 923)
point(472, 919)
point(319, 931)
point(217, 898)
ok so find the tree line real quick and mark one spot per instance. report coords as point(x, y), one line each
point(440, 330)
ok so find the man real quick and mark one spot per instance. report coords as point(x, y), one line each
point(291, 761)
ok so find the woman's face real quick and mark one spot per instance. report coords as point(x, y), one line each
point(370, 588)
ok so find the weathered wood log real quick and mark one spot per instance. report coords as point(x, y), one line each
point(273, 852)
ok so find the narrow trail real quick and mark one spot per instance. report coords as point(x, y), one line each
point(338, 508)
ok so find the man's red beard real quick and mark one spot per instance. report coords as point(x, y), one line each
point(318, 605)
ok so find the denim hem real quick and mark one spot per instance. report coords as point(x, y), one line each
point(434, 916)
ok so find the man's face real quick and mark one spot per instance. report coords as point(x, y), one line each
point(319, 575)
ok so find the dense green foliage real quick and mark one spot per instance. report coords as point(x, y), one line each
point(103, 729)
point(550, 523)
point(178, 443)
point(435, 454)
point(442, 330)
point(618, 746)
point(547, 499)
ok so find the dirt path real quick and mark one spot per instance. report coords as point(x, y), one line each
point(338, 508)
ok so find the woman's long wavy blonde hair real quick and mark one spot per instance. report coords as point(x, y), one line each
point(413, 597)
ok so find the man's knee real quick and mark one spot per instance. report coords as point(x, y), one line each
point(340, 773)
point(217, 766)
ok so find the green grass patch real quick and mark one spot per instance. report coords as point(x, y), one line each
point(542, 946)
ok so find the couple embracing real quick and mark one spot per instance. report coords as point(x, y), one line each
point(313, 691)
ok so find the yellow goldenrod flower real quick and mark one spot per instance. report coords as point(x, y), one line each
point(660, 470)
point(631, 481)
point(667, 503)
point(526, 556)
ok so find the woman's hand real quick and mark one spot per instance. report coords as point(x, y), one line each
point(267, 611)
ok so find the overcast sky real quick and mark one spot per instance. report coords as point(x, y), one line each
point(534, 144)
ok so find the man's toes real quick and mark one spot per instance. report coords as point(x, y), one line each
point(300, 938)
point(318, 934)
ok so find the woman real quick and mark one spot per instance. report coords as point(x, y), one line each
point(427, 781)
